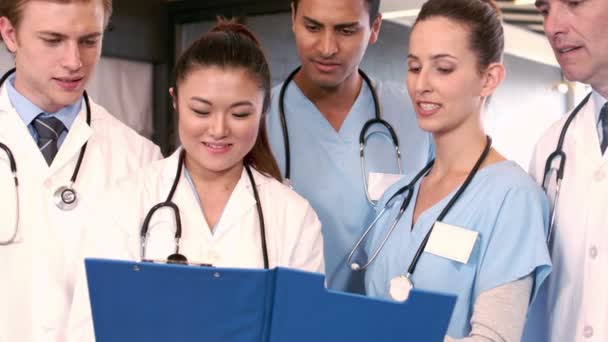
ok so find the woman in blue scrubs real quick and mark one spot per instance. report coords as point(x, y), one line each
point(474, 224)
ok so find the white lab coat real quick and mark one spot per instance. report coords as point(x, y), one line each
point(35, 293)
point(574, 305)
point(293, 231)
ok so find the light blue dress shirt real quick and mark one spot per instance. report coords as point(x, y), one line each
point(511, 214)
point(29, 111)
point(326, 167)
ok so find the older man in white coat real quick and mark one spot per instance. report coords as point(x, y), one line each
point(575, 303)
point(57, 137)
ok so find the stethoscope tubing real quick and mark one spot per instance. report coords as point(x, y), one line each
point(285, 130)
point(178, 229)
point(13, 163)
point(82, 150)
point(409, 190)
point(561, 154)
point(13, 167)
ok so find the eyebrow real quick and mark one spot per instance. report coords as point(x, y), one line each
point(312, 21)
point(235, 104)
point(540, 3)
point(437, 56)
point(63, 36)
point(339, 26)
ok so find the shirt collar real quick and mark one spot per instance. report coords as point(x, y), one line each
point(28, 111)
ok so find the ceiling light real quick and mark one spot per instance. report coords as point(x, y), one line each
point(400, 14)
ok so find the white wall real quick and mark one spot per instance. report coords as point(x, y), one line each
point(123, 87)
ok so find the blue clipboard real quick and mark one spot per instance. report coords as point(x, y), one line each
point(150, 302)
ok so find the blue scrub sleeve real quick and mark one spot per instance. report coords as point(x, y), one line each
point(517, 244)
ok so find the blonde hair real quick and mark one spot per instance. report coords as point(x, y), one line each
point(13, 9)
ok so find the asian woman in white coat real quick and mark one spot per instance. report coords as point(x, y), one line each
point(221, 94)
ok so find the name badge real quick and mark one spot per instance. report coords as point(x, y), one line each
point(451, 242)
point(378, 183)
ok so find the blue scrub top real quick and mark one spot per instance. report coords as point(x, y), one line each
point(326, 168)
point(511, 214)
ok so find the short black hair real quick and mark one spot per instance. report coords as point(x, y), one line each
point(373, 7)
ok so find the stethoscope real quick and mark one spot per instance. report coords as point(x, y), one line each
point(177, 257)
point(363, 137)
point(66, 197)
point(401, 285)
point(559, 153)
point(13, 166)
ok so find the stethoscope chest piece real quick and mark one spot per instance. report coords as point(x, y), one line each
point(66, 198)
point(400, 288)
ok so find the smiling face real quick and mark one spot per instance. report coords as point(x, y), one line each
point(219, 112)
point(56, 47)
point(578, 33)
point(331, 38)
point(444, 79)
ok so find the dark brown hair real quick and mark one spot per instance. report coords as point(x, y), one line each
point(13, 9)
point(483, 19)
point(232, 45)
point(373, 7)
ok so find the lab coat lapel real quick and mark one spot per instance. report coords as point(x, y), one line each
point(16, 136)
point(240, 203)
point(77, 136)
point(185, 198)
point(585, 134)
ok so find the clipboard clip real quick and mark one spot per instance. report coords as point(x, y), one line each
point(176, 262)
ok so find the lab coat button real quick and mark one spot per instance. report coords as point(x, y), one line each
point(588, 331)
point(600, 175)
point(593, 252)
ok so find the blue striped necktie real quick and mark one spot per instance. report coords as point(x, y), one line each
point(49, 130)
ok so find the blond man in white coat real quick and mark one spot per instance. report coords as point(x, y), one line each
point(46, 122)
point(575, 305)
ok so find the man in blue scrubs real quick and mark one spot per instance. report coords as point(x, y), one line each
point(326, 105)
